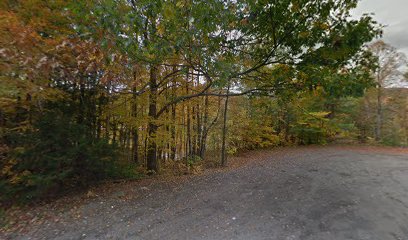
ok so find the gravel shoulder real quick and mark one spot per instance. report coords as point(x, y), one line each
point(308, 193)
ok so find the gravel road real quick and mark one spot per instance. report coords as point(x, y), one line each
point(307, 193)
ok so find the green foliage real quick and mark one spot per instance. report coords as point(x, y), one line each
point(250, 125)
point(311, 128)
point(57, 154)
point(193, 160)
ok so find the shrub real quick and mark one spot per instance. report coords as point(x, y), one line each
point(56, 155)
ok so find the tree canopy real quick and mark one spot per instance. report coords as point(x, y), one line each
point(116, 88)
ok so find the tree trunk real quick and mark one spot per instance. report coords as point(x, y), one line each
point(81, 114)
point(188, 140)
point(152, 162)
point(135, 134)
point(364, 127)
point(114, 130)
point(193, 131)
point(286, 124)
point(173, 144)
point(379, 117)
point(203, 134)
point(198, 116)
point(173, 133)
point(207, 128)
point(224, 131)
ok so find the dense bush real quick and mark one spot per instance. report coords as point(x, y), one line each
point(54, 156)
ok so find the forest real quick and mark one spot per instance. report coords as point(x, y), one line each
point(123, 89)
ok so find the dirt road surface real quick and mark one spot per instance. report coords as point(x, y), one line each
point(306, 193)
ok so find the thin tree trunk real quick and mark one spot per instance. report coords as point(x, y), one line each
point(99, 119)
point(146, 140)
point(173, 144)
point(127, 144)
point(135, 133)
point(379, 117)
point(114, 130)
point(208, 128)
point(224, 131)
point(188, 150)
point(193, 130)
point(107, 126)
point(366, 118)
point(107, 120)
point(167, 147)
point(173, 133)
point(81, 116)
point(203, 134)
point(199, 130)
point(198, 123)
